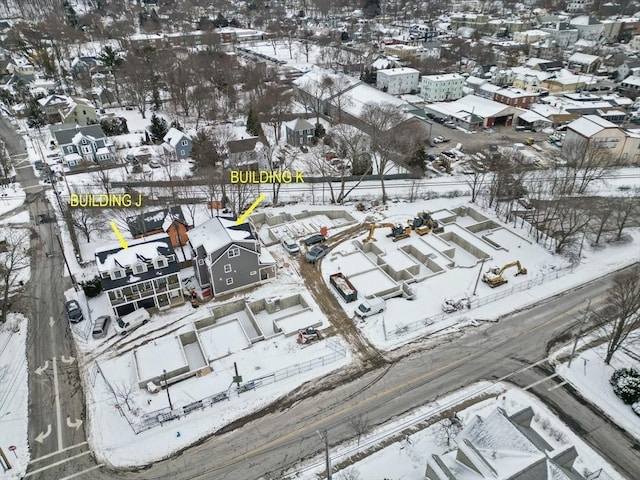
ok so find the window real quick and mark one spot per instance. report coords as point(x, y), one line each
point(227, 268)
point(116, 274)
point(171, 258)
point(201, 262)
point(161, 262)
point(181, 152)
point(229, 281)
point(139, 268)
point(184, 143)
point(234, 252)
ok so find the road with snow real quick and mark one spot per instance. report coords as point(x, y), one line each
point(274, 441)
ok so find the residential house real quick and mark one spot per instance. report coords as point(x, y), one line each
point(408, 53)
point(166, 220)
point(530, 36)
point(584, 63)
point(227, 257)
point(396, 81)
point(507, 447)
point(144, 275)
point(84, 67)
point(299, 132)
point(546, 49)
point(82, 144)
point(579, 5)
point(527, 82)
point(442, 87)
point(245, 154)
point(75, 110)
point(562, 33)
point(177, 144)
point(631, 85)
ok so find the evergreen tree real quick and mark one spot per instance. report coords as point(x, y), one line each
point(418, 160)
point(158, 128)
point(371, 8)
point(156, 101)
point(176, 124)
point(253, 123)
point(72, 17)
point(35, 117)
point(320, 131)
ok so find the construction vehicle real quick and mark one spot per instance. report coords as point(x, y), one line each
point(372, 229)
point(424, 223)
point(493, 277)
point(398, 232)
point(308, 335)
point(451, 305)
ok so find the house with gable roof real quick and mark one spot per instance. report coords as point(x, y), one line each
point(227, 257)
point(166, 220)
point(506, 447)
point(144, 275)
point(299, 132)
point(82, 144)
point(75, 110)
point(177, 143)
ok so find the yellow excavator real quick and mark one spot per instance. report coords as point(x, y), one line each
point(372, 229)
point(493, 277)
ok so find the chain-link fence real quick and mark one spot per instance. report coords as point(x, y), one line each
point(405, 329)
point(159, 417)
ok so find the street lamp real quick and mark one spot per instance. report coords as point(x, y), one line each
point(325, 438)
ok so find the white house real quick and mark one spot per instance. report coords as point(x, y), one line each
point(396, 81)
point(589, 28)
point(442, 87)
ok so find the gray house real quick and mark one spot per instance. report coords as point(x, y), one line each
point(177, 143)
point(227, 257)
point(299, 132)
point(245, 154)
point(82, 144)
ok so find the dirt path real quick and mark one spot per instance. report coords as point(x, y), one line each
point(329, 305)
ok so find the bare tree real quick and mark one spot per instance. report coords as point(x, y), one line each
point(352, 145)
point(14, 258)
point(279, 160)
point(387, 142)
point(86, 220)
point(625, 209)
point(447, 430)
point(359, 425)
point(586, 163)
point(568, 220)
point(600, 210)
point(123, 392)
point(621, 314)
point(315, 94)
point(475, 181)
point(351, 474)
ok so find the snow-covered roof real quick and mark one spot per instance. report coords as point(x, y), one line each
point(174, 136)
point(219, 232)
point(479, 106)
point(589, 125)
point(583, 58)
point(443, 77)
point(299, 124)
point(108, 258)
point(632, 81)
point(102, 151)
point(399, 71)
point(531, 117)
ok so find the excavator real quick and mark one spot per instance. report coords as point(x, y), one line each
point(398, 232)
point(424, 223)
point(494, 277)
point(372, 229)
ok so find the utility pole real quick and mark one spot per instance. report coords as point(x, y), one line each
point(166, 386)
point(575, 344)
point(479, 273)
point(325, 438)
point(73, 280)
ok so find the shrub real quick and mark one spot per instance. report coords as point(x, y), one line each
point(626, 385)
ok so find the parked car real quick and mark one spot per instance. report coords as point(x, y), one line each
point(314, 239)
point(438, 120)
point(438, 139)
point(74, 312)
point(131, 321)
point(154, 164)
point(101, 326)
point(450, 124)
point(289, 245)
point(316, 253)
point(370, 306)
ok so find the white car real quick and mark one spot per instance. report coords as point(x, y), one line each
point(370, 306)
point(131, 321)
point(438, 139)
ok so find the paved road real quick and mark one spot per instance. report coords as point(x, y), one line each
point(56, 400)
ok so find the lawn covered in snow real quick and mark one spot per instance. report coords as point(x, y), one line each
point(14, 395)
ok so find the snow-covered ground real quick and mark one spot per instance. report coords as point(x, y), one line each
point(590, 376)
point(14, 395)
point(11, 197)
point(407, 457)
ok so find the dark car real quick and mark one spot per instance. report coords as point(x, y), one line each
point(314, 239)
point(74, 312)
point(316, 253)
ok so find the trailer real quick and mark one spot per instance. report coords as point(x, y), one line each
point(343, 287)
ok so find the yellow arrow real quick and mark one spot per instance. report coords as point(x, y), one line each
point(119, 236)
point(244, 216)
